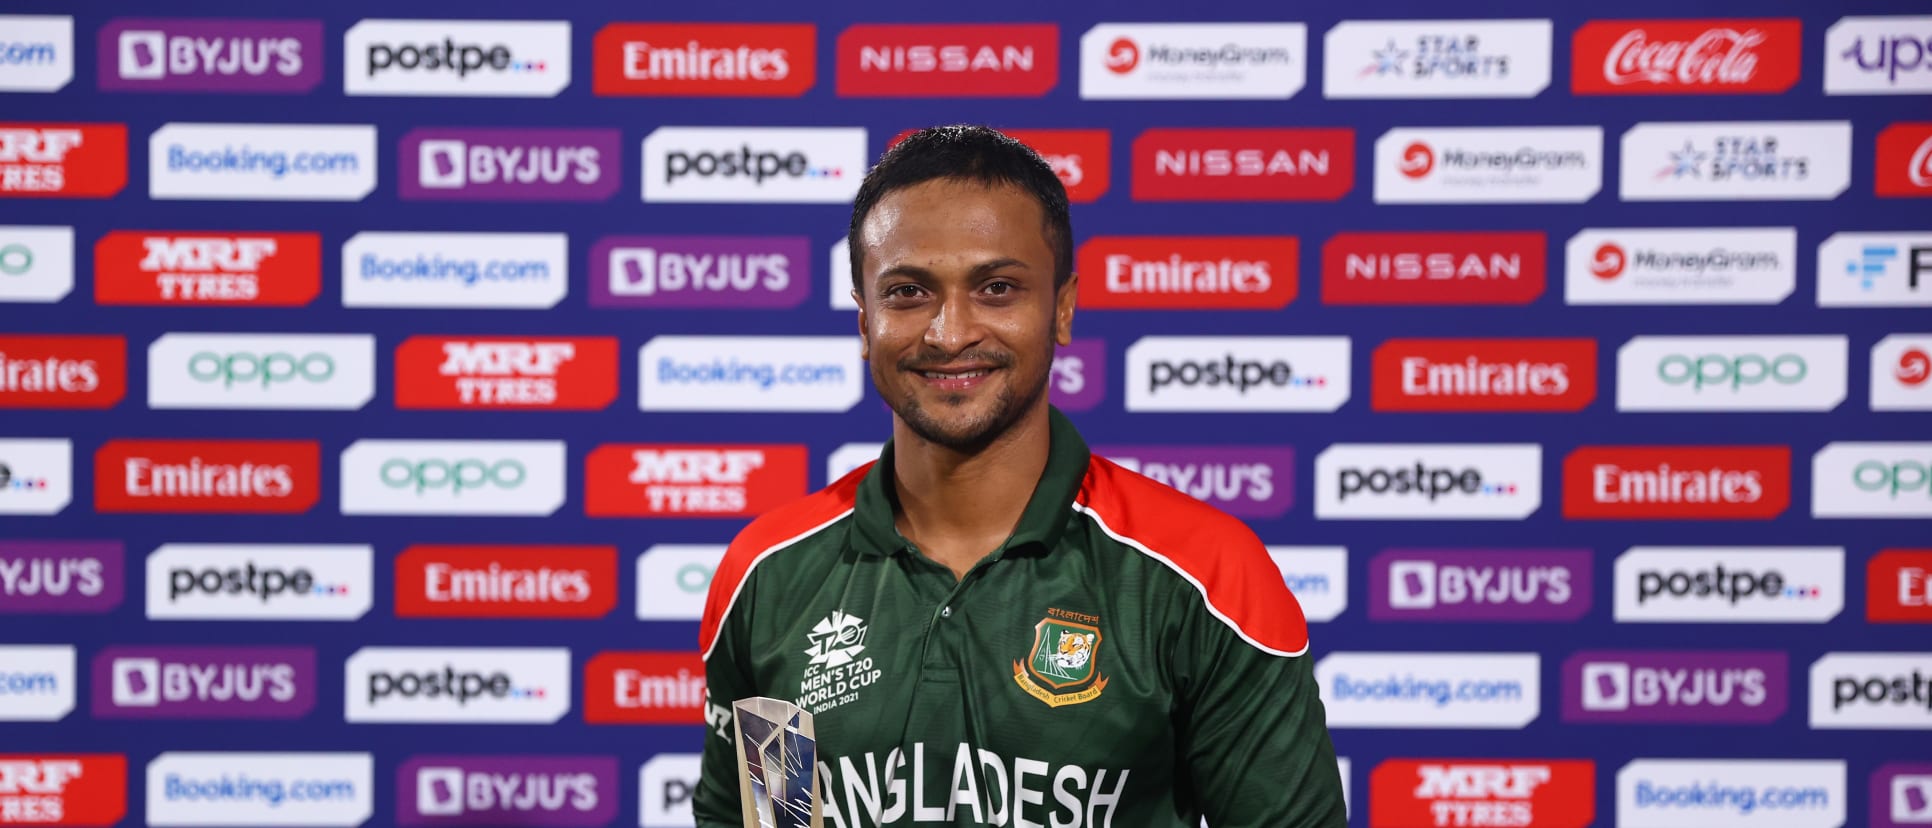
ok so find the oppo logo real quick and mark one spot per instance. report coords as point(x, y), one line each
point(1713, 371)
point(492, 478)
point(264, 369)
point(1894, 478)
point(456, 476)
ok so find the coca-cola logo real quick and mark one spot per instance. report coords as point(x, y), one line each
point(1716, 56)
point(1685, 56)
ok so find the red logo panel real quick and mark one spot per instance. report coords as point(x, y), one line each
point(1188, 272)
point(1013, 60)
point(1484, 375)
point(1898, 587)
point(572, 373)
point(207, 476)
point(62, 788)
point(644, 688)
point(1685, 57)
point(136, 267)
point(1499, 268)
point(1677, 482)
point(1903, 164)
point(723, 60)
point(62, 160)
point(1432, 793)
point(506, 581)
point(1244, 164)
point(62, 371)
point(691, 480)
point(1080, 157)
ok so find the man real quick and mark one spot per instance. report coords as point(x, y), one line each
point(990, 626)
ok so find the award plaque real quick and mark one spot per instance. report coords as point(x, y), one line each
point(777, 764)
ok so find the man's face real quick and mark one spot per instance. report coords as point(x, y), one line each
point(958, 314)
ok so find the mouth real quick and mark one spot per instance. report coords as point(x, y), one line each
point(955, 379)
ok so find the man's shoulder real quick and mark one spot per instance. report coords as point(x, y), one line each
point(789, 526)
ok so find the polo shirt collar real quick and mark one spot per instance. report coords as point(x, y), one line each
point(1041, 523)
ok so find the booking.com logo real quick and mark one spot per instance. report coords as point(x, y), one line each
point(734, 372)
point(439, 269)
point(247, 160)
point(1409, 688)
point(244, 788)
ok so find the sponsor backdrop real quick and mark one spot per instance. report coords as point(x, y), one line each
point(378, 393)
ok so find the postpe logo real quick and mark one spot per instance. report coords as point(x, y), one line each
point(1258, 373)
point(1436, 59)
point(36, 476)
point(142, 682)
point(274, 371)
point(269, 789)
point(1680, 687)
point(455, 270)
point(1484, 375)
point(563, 791)
point(1872, 691)
point(1872, 480)
point(1681, 266)
point(675, 272)
point(1454, 268)
point(62, 371)
point(62, 160)
point(61, 577)
point(754, 164)
point(1730, 584)
point(459, 685)
point(673, 580)
point(1676, 482)
point(36, 683)
point(1732, 373)
point(207, 476)
point(36, 263)
point(38, 54)
point(666, 783)
point(508, 164)
point(63, 788)
point(1736, 161)
point(1003, 60)
point(457, 58)
point(1488, 165)
point(1490, 691)
point(566, 373)
point(1168, 61)
point(269, 582)
point(1549, 585)
point(693, 480)
point(453, 477)
point(262, 162)
point(216, 268)
point(1244, 481)
point(434, 581)
point(1549, 793)
point(228, 55)
point(1424, 481)
point(644, 688)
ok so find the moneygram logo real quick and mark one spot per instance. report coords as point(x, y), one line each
point(699, 480)
point(62, 160)
point(674, 579)
point(1248, 164)
point(455, 270)
point(445, 164)
point(482, 478)
point(1077, 380)
point(1731, 584)
point(265, 582)
point(1681, 266)
point(1872, 691)
point(194, 55)
point(1545, 585)
point(1674, 687)
point(1244, 481)
point(1736, 161)
point(262, 162)
point(1484, 375)
point(737, 272)
point(644, 688)
point(36, 263)
point(1488, 165)
point(1904, 161)
point(1879, 56)
point(749, 373)
point(1548, 793)
point(1199, 61)
point(133, 267)
point(1249, 373)
point(506, 581)
point(139, 682)
point(63, 788)
point(36, 685)
point(274, 371)
point(62, 371)
point(37, 54)
point(1188, 272)
point(1318, 578)
point(457, 58)
point(1874, 480)
point(306, 789)
point(1898, 587)
point(1006, 60)
point(458, 685)
point(737, 60)
point(60, 577)
point(207, 476)
point(1436, 59)
point(1685, 57)
point(36, 476)
point(1875, 269)
point(666, 784)
point(1653, 793)
point(819, 165)
point(562, 791)
point(1676, 482)
point(1430, 690)
point(1081, 158)
point(458, 373)
point(1902, 373)
point(1732, 373)
point(1457, 268)
point(1423, 481)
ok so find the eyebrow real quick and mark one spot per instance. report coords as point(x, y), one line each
point(925, 275)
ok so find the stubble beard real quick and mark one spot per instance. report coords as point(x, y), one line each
point(977, 433)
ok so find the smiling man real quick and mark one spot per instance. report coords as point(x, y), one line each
point(990, 625)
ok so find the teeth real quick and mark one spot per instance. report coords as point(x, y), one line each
point(966, 375)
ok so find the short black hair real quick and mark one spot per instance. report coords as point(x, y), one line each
point(970, 153)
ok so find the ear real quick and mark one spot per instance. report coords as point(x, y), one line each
point(865, 339)
point(1063, 300)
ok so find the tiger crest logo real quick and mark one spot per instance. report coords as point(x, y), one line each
point(1063, 668)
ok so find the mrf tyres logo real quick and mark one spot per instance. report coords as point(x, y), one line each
point(458, 685)
point(1732, 373)
point(443, 164)
point(819, 165)
point(1488, 165)
point(1548, 585)
point(213, 268)
point(63, 788)
point(1681, 266)
point(482, 478)
point(141, 682)
point(62, 160)
point(1258, 373)
point(1730, 584)
point(1436, 59)
point(1736, 161)
point(456, 58)
point(560, 791)
point(268, 582)
point(693, 480)
point(1872, 480)
point(1685, 57)
point(228, 55)
point(1676, 482)
point(1426, 793)
point(1425, 481)
point(1872, 691)
point(457, 373)
point(1675, 687)
point(1489, 691)
point(1201, 61)
point(272, 371)
point(1251, 481)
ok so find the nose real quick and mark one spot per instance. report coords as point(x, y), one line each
point(955, 323)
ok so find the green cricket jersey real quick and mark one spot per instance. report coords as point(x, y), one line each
point(1129, 657)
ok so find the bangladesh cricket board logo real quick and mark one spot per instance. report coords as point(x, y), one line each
point(1065, 659)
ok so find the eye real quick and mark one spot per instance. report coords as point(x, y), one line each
point(905, 290)
point(1001, 288)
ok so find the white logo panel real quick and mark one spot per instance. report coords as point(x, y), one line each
point(665, 784)
point(1731, 793)
point(255, 789)
point(1317, 576)
point(455, 270)
point(314, 372)
point(36, 476)
point(1879, 56)
point(1681, 266)
point(485, 478)
point(1194, 61)
point(1238, 373)
point(1732, 373)
point(1871, 691)
point(38, 53)
point(1872, 480)
point(1875, 269)
point(457, 685)
point(817, 165)
point(673, 580)
point(1730, 584)
point(750, 373)
point(268, 582)
point(457, 58)
point(1902, 373)
point(37, 683)
point(1489, 165)
point(1436, 59)
point(36, 263)
point(1428, 481)
point(1736, 160)
point(262, 162)
point(1430, 690)
point(841, 270)
point(850, 456)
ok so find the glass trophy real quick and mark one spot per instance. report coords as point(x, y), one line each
point(777, 764)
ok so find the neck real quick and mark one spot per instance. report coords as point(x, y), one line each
point(959, 506)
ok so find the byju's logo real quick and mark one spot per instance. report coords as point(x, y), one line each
point(271, 789)
point(36, 263)
point(1479, 585)
point(1436, 59)
point(1548, 793)
point(1730, 584)
point(457, 58)
point(1488, 165)
point(1732, 373)
point(749, 373)
point(675, 272)
point(1872, 480)
point(1736, 161)
point(1879, 56)
point(1431, 690)
point(1458, 268)
point(562, 791)
point(644, 688)
point(61, 577)
point(568, 373)
point(495, 478)
point(36, 685)
point(1681, 266)
point(1254, 373)
point(216, 268)
point(1244, 481)
point(754, 164)
point(42, 160)
point(204, 682)
point(1078, 379)
point(674, 579)
point(38, 54)
point(1677, 687)
point(463, 685)
point(695, 480)
point(1317, 576)
point(506, 581)
point(1421, 481)
point(63, 788)
point(1902, 373)
point(1168, 61)
point(262, 162)
point(197, 55)
point(1898, 587)
point(1872, 691)
point(36, 476)
point(268, 582)
point(279, 371)
point(1659, 793)
point(1875, 269)
point(455, 270)
point(1901, 795)
point(1677, 482)
point(437, 163)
